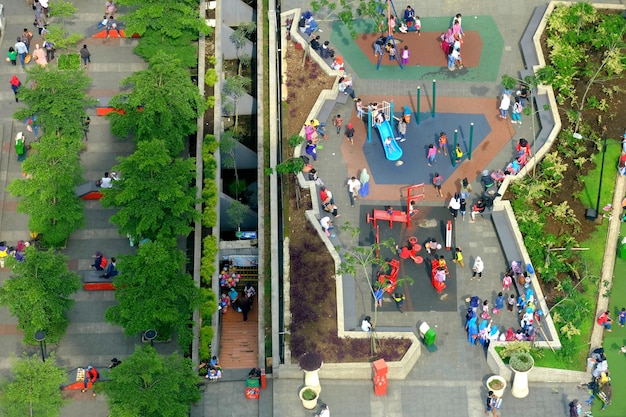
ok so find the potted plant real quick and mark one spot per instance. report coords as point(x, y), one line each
point(521, 363)
point(311, 364)
point(497, 384)
point(308, 396)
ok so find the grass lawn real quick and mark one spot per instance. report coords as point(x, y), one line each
point(614, 340)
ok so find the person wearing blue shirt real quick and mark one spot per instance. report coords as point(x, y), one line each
point(111, 270)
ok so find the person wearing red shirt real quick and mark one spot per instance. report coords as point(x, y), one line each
point(90, 376)
point(605, 321)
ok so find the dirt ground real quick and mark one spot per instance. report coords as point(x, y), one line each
point(314, 306)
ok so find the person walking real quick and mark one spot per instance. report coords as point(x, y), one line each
point(15, 86)
point(22, 51)
point(458, 257)
point(505, 103)
point(432, 154)
point(437, 183)
point(349, 132)
point(12, 55)
point(478, 268)
point(455, 204)
point(338, 122)
point(354, 186)
point(26, 38)
point(364, 179)
point(491, 404)
point(402, 130)
point(86, 56)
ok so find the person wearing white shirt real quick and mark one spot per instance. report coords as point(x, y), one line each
point(354, 186)
point(366, 325)
point(324, 411)
point(105, 182)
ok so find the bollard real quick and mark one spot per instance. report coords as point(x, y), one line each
point(453, 153)
point(469, 151)
point(419, 93)
point(434, 111)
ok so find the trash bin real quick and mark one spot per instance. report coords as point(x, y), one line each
point(621, 248)
point(429, 337)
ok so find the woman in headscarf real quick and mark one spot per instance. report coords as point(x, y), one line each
point(39, 55)
point(365, 183)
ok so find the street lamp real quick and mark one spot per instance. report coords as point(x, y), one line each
point(40, 336)
point(150, 335)
point(590, 213)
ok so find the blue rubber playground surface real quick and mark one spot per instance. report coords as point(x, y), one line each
point(415, 169)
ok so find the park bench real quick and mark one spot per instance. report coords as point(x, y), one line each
point(88, 191)
point(92, 281)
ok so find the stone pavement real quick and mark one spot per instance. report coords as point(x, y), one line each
point(89, 340)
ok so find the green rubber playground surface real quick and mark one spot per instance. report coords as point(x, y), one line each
point(487, 71)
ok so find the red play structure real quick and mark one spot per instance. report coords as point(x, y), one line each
point(439, 286)
point(390, 281)
point(397, 215)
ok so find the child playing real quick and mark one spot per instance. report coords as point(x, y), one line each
point(443, 143)
point(337, 122)
point(458, 257)
point(463, 208)
point(499, 304)
point(399, 299)
point(418, 25)
point(506, 282)
point(459, 153)
point(432, 153)
point(622, 317)
point(359, 108)
point(437, 183)
point(516, 112)
point(392, 52)
point(485, 314)
point(511, 302)
point(405, 56)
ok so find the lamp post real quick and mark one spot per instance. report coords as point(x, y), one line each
point(40, 336)
point(592, 214)
point(150, 335)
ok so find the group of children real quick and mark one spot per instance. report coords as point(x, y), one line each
point(442, 146)
point(451, 42)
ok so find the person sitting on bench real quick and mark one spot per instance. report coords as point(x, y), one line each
point(111, 270)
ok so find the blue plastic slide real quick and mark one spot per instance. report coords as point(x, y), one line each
point(393, 152)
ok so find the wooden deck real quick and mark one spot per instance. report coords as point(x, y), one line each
point(239, 339)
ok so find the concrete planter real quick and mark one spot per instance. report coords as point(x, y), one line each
point(521, 364)
point(309, 396)
point(312, 379)
point(492, 383)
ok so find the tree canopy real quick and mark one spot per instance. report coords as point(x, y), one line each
point(33, 388)
point(164, 104)
point(153, 291)
point(155, 196)
point(38, 293)
point(150, 385)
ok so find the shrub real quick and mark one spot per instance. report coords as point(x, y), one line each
point(521, 361)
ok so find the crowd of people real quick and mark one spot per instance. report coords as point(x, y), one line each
point(451, 42)
point(18, 252)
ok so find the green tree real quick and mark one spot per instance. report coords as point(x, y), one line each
point(239, 38)
point(62, 10)
point(33, 388)
point(164, 104)
point(150, 385)
point(61, 117)
point(48, 192)
point(168, 26)
point(233, 89)
point(153, 291)
point(153, 179)
point(362, 260)
point(38, 294)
